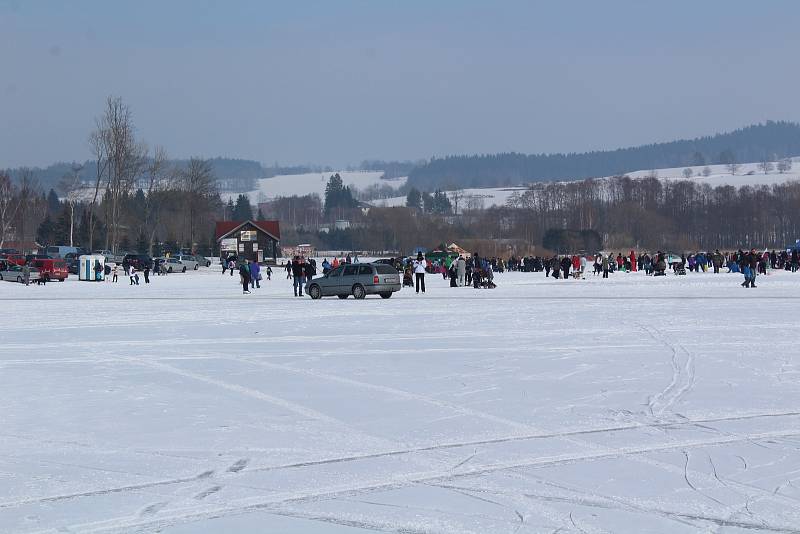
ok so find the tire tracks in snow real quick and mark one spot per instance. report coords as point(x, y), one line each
point(195, 513)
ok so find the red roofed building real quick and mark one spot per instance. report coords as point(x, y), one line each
point(253, 240)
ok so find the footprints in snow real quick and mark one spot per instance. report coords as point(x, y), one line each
point(238, 465)
point(206, 492)
point(234, 468)
point(153, 509)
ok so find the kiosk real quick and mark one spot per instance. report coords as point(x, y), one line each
point(91, 268)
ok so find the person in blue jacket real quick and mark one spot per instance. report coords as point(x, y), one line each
point(255, 275)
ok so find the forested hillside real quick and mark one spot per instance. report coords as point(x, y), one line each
point(773, 140)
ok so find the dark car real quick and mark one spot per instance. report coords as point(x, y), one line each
point(138, 261)
point(357, 279)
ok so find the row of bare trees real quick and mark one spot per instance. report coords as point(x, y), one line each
point(136, 196)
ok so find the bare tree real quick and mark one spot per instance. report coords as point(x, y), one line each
point(784, 165)
point(733, 167)
point(199, 183)
point(706, 171)
point(121, 159)
point(765, 165)
point(71, 186)
point(9, 204)
point(456, 195)
point(160, 177)
point(688, 173)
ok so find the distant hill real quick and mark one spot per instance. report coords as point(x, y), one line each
point(772, 140)
point(232, 174)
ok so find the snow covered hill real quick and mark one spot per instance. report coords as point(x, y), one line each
point(311, 183)
point(746, 174)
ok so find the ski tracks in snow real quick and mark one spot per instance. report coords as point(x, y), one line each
point(683, 373)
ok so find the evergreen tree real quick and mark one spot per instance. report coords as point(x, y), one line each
point(337, 195)
point(441, 204)
point(229, 207)
point(44, 234)
point(427, 202)
point(242, 211)
point(414, 199)
point(53, 204)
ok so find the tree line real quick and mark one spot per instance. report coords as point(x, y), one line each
point(771, 140)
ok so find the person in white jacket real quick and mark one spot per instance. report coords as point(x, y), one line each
point(419, 272)
point(461, 270)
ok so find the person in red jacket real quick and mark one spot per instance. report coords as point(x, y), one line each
point(633, 262)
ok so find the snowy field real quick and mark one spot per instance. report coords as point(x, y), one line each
point(313, 183)
point(635, 404)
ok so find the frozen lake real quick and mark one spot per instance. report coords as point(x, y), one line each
point(633, 404)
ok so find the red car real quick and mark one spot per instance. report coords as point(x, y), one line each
point(51, 269)
point(13, 259)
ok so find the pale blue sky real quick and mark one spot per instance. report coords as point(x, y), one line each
point(332, 82)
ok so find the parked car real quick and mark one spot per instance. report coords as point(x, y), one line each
point(61, 251)
point(189, 261)
point(139, 261)
point(51, 269)
point(40, 256)
point(357, 279)
point(172, 265)
point(13, 273)
point(16, 259)
point(202, 260)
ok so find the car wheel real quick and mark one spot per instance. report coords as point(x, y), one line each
point(342, 296)
point(183, 270)
point(196, 266)
point(315, 292)
point(19, 279)
point(169, 270)
point(46, 278)
point(359, 292)
point(386, 295)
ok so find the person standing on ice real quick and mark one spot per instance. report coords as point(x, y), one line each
point(298, 275)
point(419, 272)
point(244, 275)
point(634, 266)
point(604, 265)
point(255, 275)
point(461, 270)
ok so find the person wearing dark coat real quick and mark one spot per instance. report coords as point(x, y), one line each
point(244, 274)
point(566, 263)
point(298, 271)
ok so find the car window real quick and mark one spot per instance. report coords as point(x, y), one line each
point(336, 272)
point(385, 269)
point(364, 269)
point(350, 270)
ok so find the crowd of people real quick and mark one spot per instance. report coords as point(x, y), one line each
point(475, 271)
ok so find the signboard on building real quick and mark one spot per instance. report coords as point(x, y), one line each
point(228, 244)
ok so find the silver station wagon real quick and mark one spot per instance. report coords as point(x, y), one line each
point(357, 279)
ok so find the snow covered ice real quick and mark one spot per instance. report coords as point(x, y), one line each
point(634, 404)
